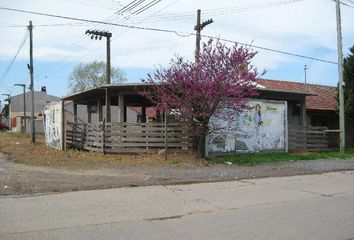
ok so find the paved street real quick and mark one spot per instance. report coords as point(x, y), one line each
point(299, 207)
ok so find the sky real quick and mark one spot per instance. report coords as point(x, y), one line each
point(305, 27)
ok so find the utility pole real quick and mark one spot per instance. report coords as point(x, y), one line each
point(98, 35)
point(24, 104)
point(341, 80)
point(108, 57)
point(199, 27)
point(33, 130)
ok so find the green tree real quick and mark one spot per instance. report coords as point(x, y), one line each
point(93, 74)
point(349, 85)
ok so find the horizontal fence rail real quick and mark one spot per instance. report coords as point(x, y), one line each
point(128, 137)
point(307, 138)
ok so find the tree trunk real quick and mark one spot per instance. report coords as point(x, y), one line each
point(201, 145)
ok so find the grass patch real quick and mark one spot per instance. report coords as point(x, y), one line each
point(13, 134)
point(259, 158)
point(174, 161)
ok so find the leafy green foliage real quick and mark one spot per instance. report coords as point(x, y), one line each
point(93, 74)
point(349, 85)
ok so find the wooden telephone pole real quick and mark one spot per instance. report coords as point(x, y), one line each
point(341, 80)
point(199, 27)
point(97, 35)
point(30, 66)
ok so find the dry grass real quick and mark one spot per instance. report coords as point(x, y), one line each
point(18, 146)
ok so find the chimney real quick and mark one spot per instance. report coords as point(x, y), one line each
point(44, 89)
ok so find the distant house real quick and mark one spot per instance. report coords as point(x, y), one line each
point(41, 99)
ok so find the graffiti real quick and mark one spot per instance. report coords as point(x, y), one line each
point(53, 125)
point(259, 128)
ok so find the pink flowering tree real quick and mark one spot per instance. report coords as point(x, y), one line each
point(223, 79)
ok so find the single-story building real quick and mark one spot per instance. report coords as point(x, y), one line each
point(17, 107)
point(147, 131)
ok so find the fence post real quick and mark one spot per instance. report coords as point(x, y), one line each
point(103, 135)
point(73, 129)
point(306, 128)
point(82, 137)
point(166, 142)
point(63, 125)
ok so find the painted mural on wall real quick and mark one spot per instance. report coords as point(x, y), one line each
point(262, 127)
point(53, 124)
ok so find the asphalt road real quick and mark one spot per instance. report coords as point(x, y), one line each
point(299, 207)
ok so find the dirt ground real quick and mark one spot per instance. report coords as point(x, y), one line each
point(27, 169)
point(20, 150)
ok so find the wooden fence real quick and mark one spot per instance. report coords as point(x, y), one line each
point(307, 138)
point(128, 137)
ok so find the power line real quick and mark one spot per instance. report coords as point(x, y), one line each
point(46, 25)
point(182, 15)
point(345, 4)
point(89, 20)
point(125, 7)
point(222, 11)
point(4, 75)
point(146, 7)
point(111, 5)
point(115, 36)
point(109, 29)
point(170, 16)
point(270, 49)
point(130, 6)
point(76, 45)
point(169, 31)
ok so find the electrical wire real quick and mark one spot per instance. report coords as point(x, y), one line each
point(345, 4)
point(269, 49)
point(116, 36)
point(111, 5)
point(125, 7)
point(221, 11)
point(109, 29)
point(191, 15)
point(146, 7)
point(170, 31)
point(23, 41)
point(73, 47)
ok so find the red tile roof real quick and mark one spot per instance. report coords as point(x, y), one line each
point(324, 100)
